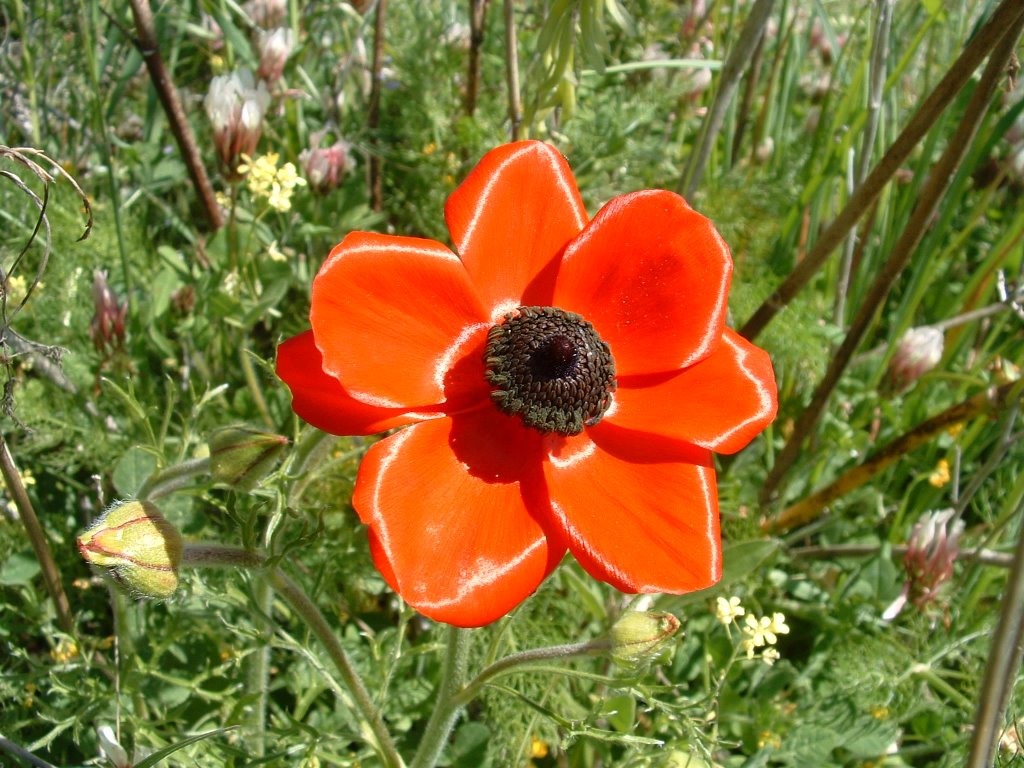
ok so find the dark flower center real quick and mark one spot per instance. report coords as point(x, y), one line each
point(549, 368)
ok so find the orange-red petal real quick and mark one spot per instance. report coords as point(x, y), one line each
point(320, 400)
point(652, 275)
point(511, 218)
point(453, 509)
point(637, 518)
point(392, 316)
point(720, 403)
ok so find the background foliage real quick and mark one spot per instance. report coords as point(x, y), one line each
point(622, 91)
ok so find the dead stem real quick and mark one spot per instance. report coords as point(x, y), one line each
point(922, 121)
point(146, 43)
point(931, 194)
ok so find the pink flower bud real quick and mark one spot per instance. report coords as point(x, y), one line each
point(325, 167)
point(918, 351)
point(266, 13)
point(274, 47)
point(236, 104)
point(107, 326)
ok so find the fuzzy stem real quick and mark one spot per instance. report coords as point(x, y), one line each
point(257, 673)
point(512, 662)
point(174, 478)
point(37, 536)
point(1003, 661)
point(867, 193)
point(446, 706)
point(931, 194)
point(220, 556)
point(299, 601)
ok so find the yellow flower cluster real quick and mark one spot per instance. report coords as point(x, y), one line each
point(762, 632)
point(265, 179)
point(728, 610)
point(940, 475)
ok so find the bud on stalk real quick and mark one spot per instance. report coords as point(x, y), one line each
point(136, 546)
point(639, 636)
point(242, 456)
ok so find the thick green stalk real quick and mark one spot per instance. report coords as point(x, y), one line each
point(447, 702)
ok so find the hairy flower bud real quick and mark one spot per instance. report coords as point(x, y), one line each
point(918, 351)
point(638, 635)
point(135, 545)
point(242, 456)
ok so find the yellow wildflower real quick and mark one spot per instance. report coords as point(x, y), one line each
point(728, 610)
point(940, 475)
point(265, 179)
point(65, 651)
point(768, 739)
point(770, 655)
point(538, 747)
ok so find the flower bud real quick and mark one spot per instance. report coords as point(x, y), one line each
point(325, 167)
point(107, 325)
point(137, 547)
point(274, 47)
point(242, 456)
point(638, 636)
point(918, 351)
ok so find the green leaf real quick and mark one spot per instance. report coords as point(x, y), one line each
point(131, 471)
point(160, 754)
point(18, 570)
point(621, 712)
point(470, 747)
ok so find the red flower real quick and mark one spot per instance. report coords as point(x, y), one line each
point(564, 384)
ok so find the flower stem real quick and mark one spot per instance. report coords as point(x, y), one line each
point(448, 703)
point(219, 556)
point(1003, 661)
point(257, 673)
point(173, 478)
point(37, 536)
point(306, 608)
point(510, 663)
